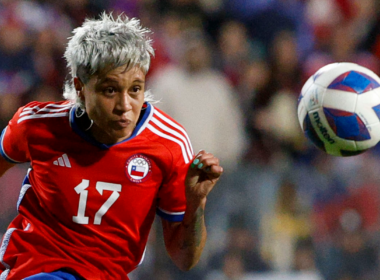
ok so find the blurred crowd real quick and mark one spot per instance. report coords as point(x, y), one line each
point(231, 71)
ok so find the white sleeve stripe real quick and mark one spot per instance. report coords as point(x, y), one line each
point(27, 112)
point(59, 105)
point(171, 213)
point(175, 133)
point(4, 274)
point(31, 108)
point(3, 248)
point(163, 135)
point(47, 106)
point(23, 190)
point(142, 257)
point(4, 245)
point(55, 115)
point(169, 121)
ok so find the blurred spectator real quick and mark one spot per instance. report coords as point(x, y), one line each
point(240, 255)
point(304, 256)
point(350, 183)
point(201, 99)
point(9, 103)
point(341, 30)
point(232, 268)
point(16, 69)
point(254, 79)
point(236, 50)
point(189, 10)
point(283, 228)
point(353, 256)
point(130, 8)
point(168, 40)
point(273, 124)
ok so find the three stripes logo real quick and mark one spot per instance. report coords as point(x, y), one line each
point(63, 161)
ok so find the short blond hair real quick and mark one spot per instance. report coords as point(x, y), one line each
point(105, 43)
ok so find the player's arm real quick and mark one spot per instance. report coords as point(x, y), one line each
point(185, 240)
point(4, 165)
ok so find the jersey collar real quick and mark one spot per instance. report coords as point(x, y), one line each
point(81, 123)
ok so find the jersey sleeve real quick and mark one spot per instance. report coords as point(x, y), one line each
point(13, 140)
point(172, 198)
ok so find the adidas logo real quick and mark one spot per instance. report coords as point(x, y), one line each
point(63, 161)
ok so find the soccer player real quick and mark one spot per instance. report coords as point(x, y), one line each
point(103, 162)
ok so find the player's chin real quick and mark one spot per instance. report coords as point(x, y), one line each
point(121, 133)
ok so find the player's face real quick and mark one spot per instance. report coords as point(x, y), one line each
point(113, 101)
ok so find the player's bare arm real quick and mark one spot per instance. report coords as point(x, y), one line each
point(4, 166)
point(185, 241)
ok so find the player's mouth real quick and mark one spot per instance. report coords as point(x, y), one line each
point(122, 123)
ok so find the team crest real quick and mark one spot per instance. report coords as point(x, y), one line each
point(138, 168)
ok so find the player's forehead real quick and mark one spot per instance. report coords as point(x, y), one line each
point(120, 74)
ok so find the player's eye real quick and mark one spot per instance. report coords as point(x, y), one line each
point(109, 91)
point(136, 89)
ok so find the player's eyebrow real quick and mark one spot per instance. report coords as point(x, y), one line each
point(139, 81)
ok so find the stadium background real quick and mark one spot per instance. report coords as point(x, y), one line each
point(283, 210)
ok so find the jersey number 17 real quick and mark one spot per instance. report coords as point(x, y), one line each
point(80, 218)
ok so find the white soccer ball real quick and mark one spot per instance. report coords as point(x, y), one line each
point(339, 109)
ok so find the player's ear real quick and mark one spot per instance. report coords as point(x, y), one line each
point(79, 87)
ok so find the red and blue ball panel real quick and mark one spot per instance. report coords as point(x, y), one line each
point(347, 125)
point(354, 81)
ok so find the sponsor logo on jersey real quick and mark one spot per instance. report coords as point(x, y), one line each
point(138, 168)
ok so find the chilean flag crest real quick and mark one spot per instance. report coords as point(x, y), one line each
point(138, 170)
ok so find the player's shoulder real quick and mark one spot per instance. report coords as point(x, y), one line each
point(170, 133)
point(159, 113)
point(36, 110)
point(165, 123)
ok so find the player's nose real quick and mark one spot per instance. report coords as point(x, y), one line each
point(123, 103)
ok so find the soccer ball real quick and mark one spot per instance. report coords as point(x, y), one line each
point(339, 109)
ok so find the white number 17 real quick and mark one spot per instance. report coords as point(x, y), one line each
point(80, 218)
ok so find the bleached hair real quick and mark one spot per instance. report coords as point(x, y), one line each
point(106, 44)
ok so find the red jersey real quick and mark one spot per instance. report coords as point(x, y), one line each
point(84, 206)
